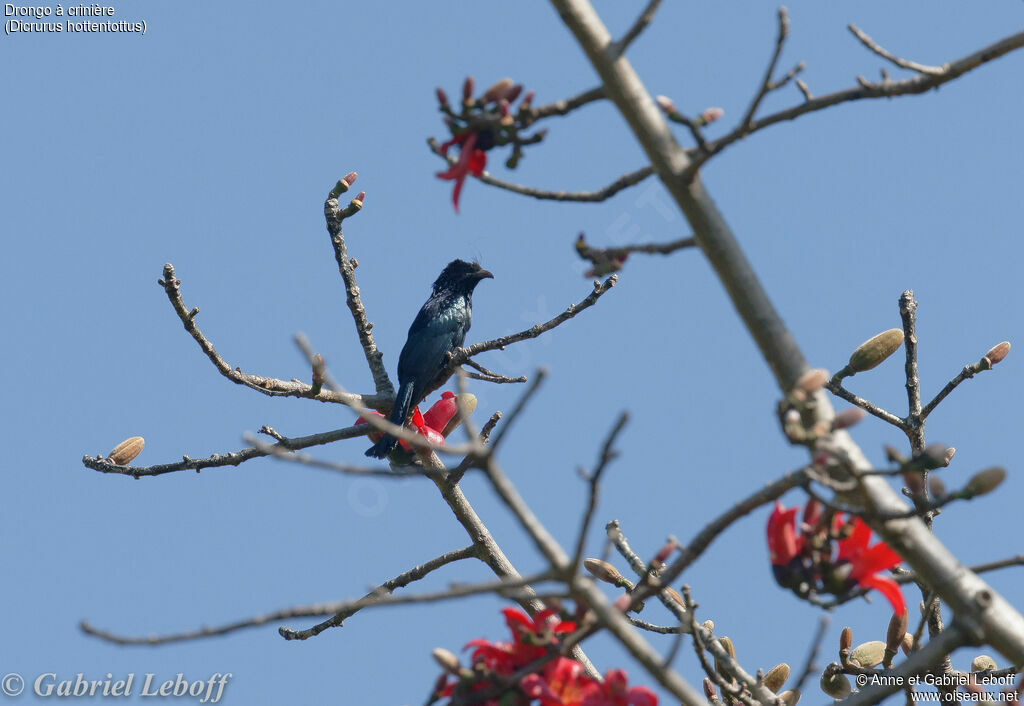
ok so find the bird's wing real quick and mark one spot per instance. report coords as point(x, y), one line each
point(432, 336)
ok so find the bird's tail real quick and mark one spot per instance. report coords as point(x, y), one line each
point(403, 405)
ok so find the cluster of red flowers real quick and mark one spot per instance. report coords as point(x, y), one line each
point(480, 124)
point(434, 426)
point(559, 682)
point(804, 561)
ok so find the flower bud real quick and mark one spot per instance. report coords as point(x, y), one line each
point(726, 644)
point(907, 644)
point(934, 456)
point(467, 89)
point(876, 349)
point(982, 663)
point(127, 450)
point(847, 418)
point(813, 380)
point(776, 676)
point(666, 104)
point(868, 654)
point(709, 116)
point(674, 595)
point(442, 97)
point(709, 690)
point(708, 625)
point(448, 661)
point(513, 93)
point(936, 486)
point(995, 355)
point(894, 636)
point(663, 553)
point(603, 571)
point(845, 642)
point(835, 685)
point(985, 481)
point(790, 697)
point(498, 90)
point(525, 104)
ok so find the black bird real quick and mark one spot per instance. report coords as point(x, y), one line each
point(438, 330)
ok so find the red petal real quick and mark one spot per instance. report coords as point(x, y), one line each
point(782, 540)
point(515, 617)
point(888, 588)
point(857, 542)
point(642, 696)
point(877, 558)
point(477, 162)
point(417, 418)
point(458, 190)
point(442, 412)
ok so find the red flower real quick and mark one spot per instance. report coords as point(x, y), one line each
point(786, 548)
point(472, 159)
point(562, 682)
point(531, 637)
point(613, 692)
point(430, 425)
point(865, 562)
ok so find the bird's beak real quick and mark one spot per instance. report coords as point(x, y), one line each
point(484, 274)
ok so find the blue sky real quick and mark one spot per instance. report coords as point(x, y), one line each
point(211, 141)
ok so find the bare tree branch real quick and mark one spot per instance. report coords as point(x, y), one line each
point(924, 81)
point(703, 539)
point(308, 611)
point(347, 269)
point(567, 105)
point(812, 653)
point(464, 354)
point(593, 479)
point(603, 194)
point(902, 63)
point(638, 26)
point(268, 386)
point(382, 597)
point(837, 389)
point(233, 458)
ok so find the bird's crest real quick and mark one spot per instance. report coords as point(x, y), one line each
point(459, 272)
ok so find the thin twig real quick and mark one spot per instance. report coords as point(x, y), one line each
point(346, 268)
point(967, 373)
point(603, 257)
point(490, 375)
point(233, 458)
point(812, 654)
point(703, 539)
point(313, 462)
point(902, 63)
point(660, 629)
point(603, 194)
point(837, 389)
point(908, 315)
point(638, 26)
point(600, 288)
point(594, 485)
point(567, 105)
point(308, 611)
point(538, 378)
point(766, 82)
point(920, 83)
point(267, 386)
point(381, 597)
